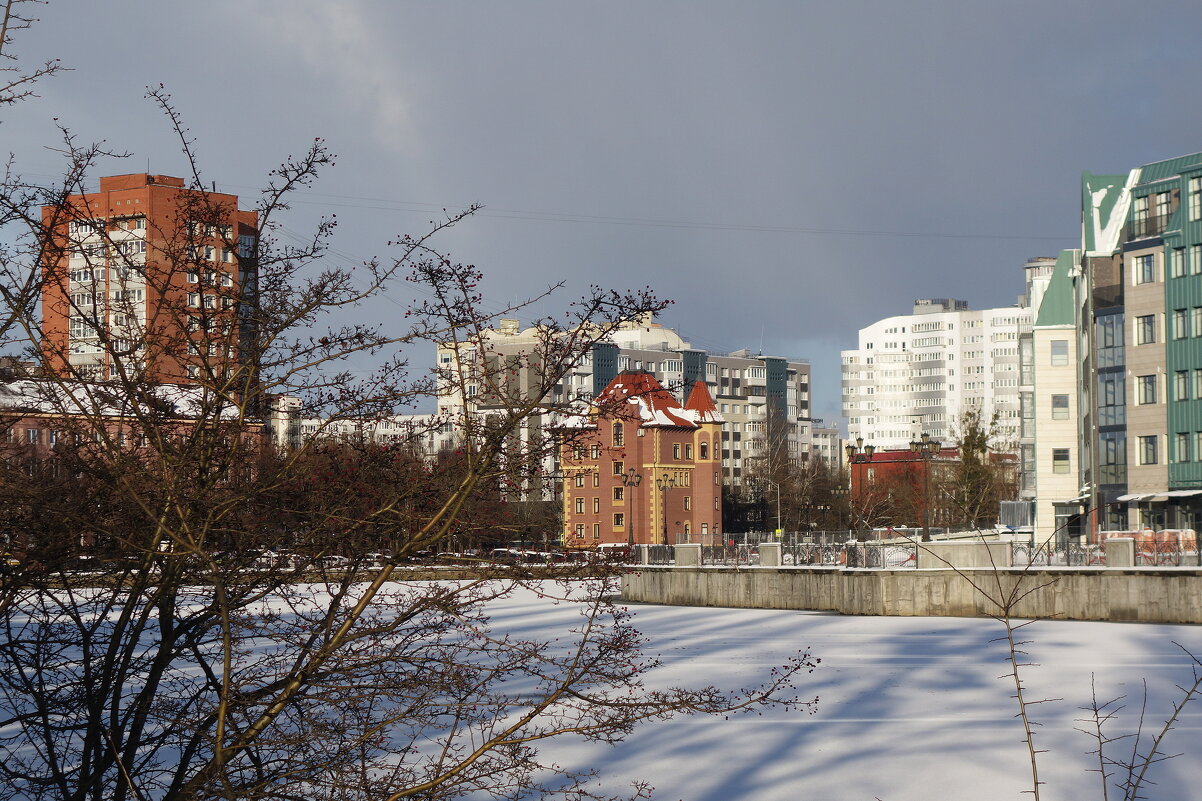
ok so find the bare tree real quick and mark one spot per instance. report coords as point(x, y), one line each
point(17, 83)
point(984, 475)
point(200, 614)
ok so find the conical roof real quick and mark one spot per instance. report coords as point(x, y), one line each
point(701, 403)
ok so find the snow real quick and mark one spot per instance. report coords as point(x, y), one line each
point(909, 708)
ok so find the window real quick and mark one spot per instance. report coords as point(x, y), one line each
point(1196, 321)
point(580, 479)
point(51, 437)
point(1060, 460)
point(580, 506)
point(1145, 389)
point(1060, 407)
point(676, 450)
point(596, 506)
point(1195, 199)
point(1195, 259)
point(596, 479)
point(596, 531)
point(33, 435)
point(619, 493)
point(1178, 262)
point(1140, 216)
point(1144, 269)
point(619, 438)
point(688, 451)
point(1059, 352)
point(1162, 205)
point(1145, 329)
point(580, 531)
point(618, 468)
point(619, 520)
point(1181, 385)
point(1147, 450)
point(1182, 447)
point(594, 452)
point(705, 450)
point(194, 299)
point(1180, 325)
point(688, 503)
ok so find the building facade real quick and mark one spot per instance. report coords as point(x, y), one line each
point(149, 279)
point(641, 468)
point(764, 400)
point(1050, 453)
point(916, 374)
point(1139, 315)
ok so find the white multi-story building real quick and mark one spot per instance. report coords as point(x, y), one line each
point(918, 373)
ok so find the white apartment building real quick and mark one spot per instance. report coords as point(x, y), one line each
point(917, 373)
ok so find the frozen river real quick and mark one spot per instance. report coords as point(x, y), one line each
point(910, 709)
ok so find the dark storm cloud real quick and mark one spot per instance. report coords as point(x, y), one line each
point(787, 172)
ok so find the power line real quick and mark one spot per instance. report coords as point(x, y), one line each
point(386, 204)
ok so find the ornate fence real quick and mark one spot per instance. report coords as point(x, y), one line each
point(907, 553)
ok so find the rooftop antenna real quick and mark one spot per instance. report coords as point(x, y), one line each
point(761, 353)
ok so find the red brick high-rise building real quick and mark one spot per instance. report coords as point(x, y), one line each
point(149, 280)
point(642, 469)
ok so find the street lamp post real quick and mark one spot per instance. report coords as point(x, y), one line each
point(926, 448)
point(859, 454)
point(838, 494)
point(630, 480)
point(663, 485)
point(780, 529)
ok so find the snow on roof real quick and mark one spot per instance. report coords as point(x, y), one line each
point(577, 415)
point(35, 396)
point(653, 405)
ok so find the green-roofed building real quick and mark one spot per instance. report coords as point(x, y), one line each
point(1141, 401)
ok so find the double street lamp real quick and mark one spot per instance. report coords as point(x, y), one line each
point(630, 480)
point(926, 448)
point(858, 454)
point(663, 485)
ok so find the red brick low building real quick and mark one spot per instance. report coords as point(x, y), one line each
point(640, 468)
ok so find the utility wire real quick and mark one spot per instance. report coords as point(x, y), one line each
point(386, 204)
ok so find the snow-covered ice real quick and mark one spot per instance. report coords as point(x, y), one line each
point(909, 708)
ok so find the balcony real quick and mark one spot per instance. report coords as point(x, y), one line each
point(1146, 227)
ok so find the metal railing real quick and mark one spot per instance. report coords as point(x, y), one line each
point(732, 555)
point(904, 553)
point(1052, 555)
point(656, 554)
point(1091, 555)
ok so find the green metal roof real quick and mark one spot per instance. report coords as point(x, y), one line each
point(1160, 170)
point(1056, 308)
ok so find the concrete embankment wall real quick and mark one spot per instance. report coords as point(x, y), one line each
point(1150, 595)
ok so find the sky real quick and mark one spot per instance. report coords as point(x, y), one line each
point(786, 172)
